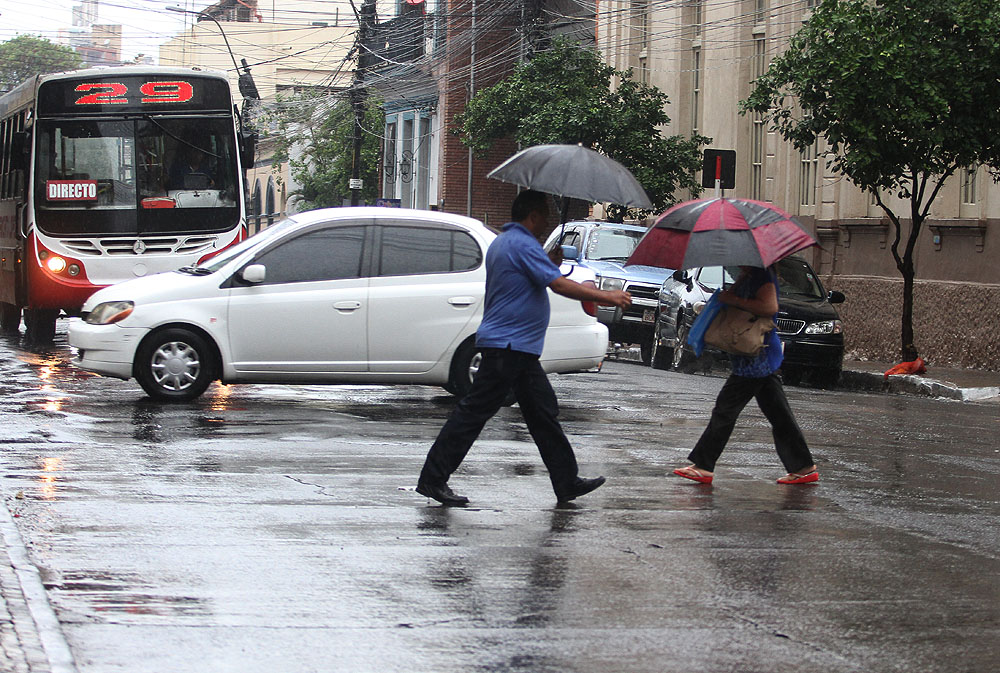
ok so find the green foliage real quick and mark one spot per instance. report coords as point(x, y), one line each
point(905, 92)
point(564, 95)
point(25, 56)
point(316, 136)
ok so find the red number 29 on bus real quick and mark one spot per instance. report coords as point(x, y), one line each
point(112, 93)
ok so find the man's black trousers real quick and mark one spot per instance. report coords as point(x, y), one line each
point(501, 371)
point(737, 391)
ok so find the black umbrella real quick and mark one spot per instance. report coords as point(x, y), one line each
point(573, 171)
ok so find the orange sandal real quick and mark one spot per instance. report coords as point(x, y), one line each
point(796, 478)
point(694, 474)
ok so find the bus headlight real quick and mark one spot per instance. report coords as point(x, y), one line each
point(109, 312)
point(73, 269)
point(56, 264)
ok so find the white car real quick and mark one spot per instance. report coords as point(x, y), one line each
point(340, 295)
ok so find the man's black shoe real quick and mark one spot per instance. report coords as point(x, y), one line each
point(443, 494)
point(580, 487)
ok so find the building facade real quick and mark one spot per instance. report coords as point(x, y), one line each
point(705, 55)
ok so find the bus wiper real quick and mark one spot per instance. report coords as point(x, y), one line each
point(195, 270)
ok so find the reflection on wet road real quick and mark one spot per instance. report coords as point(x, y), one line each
point(275, 528)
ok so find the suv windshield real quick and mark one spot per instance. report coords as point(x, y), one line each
point(612, 244)
point(129, 176)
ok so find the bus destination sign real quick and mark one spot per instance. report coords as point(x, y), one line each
point(133, 94)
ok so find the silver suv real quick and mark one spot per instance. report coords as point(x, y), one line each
point(603, 247)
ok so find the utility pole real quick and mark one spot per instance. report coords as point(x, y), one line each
point(366, 22)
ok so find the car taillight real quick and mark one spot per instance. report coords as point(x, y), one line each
point(589, 307)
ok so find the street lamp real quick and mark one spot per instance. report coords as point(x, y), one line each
point(181, 10)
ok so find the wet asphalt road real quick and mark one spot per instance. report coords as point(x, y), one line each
point(275, 529)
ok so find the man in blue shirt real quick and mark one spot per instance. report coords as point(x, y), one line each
point(511, 335)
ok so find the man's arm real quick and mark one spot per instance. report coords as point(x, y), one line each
point(574, 290)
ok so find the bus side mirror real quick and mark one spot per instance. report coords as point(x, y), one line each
point(248, 147)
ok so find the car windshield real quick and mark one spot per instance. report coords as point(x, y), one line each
point(796, 279)
point(134, 176)
point(612, 244)
point(215, 263)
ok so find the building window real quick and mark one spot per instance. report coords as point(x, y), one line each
point(695, 90)
point(969, 195)
point(389, 162)
point(699, 17)
point(808, 167)
point(757, 126)
point(760, 11)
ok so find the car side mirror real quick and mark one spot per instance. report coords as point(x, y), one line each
point(253, 274)
point(835, 297)
point(570, 253)
point(682, 276)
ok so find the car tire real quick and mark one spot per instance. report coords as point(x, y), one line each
point(682, 356)
point(174, 365)
point(791, 376)
point(660, 357)
point(646, 350)
point(40, 325)
point(10, 318)
point(464, 366)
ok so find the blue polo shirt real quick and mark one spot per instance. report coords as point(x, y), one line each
point(516, 308)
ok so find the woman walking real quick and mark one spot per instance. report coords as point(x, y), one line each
point(756, 291)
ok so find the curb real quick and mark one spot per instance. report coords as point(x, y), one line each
point(914, 385)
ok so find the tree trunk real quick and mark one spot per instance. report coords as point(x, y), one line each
point(908, 350)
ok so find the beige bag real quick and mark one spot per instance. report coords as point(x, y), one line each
point(738, 332)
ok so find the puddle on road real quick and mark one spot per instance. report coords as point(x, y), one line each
point(118, 593)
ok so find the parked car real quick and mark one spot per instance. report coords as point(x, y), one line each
point(371, 295)
point(603, 248)
point(808, 323)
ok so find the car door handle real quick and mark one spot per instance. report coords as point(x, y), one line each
point(347, 306)
point(462, 301)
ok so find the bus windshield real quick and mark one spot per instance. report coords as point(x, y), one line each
point(144, 175)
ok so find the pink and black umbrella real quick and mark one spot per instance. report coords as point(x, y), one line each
point(720, 232)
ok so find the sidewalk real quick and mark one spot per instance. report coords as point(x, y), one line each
point(967, 385)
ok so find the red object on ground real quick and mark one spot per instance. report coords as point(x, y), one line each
point(912, 367)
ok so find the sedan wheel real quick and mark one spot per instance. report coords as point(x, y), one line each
point(174, 365)
point(682, 355)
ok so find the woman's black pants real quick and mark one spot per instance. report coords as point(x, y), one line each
point(770, 396)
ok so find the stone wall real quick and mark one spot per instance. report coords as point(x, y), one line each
point(954, 324)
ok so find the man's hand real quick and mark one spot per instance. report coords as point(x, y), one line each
point(618, 298)
point(556, 255)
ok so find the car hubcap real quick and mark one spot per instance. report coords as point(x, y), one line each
point(477, 359)
point(175, 365)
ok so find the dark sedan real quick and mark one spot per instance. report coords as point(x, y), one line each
point(808, 323)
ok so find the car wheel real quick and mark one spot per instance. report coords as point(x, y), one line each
point(40, 324)
point(791, 376)
point(174, 365)
point(646, 351)
point(682, 355)
point(10, 318)
point(464, 366)
point(659, 358)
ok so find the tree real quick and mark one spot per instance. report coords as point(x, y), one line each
point(28, 55)
point(316, 137)
point(905, 93)
point(564, 95)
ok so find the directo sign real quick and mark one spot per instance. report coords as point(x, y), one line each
point(71, 190)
